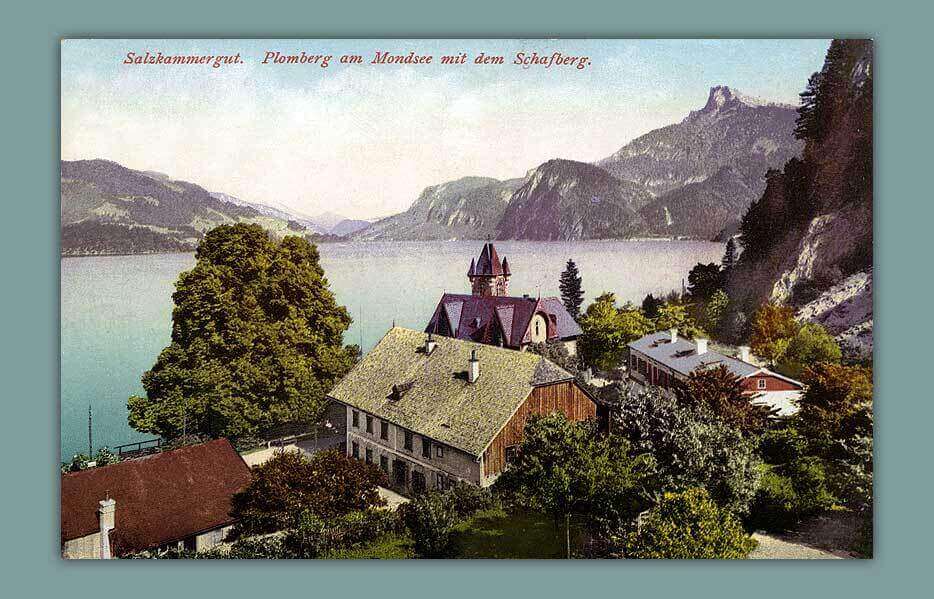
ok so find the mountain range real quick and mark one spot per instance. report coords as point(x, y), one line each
point(694, 178)
point(107, 208)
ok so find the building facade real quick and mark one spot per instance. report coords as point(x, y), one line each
point(490, 316)
point(174, 499)
point(666, 360)
point(435, 411)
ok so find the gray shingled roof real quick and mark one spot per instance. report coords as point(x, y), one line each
point(681, 356)
point(436, 399)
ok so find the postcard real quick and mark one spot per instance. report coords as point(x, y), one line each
point(466, 298)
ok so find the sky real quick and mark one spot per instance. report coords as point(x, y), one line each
point(363, 140)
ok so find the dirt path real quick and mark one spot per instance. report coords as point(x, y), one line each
point(774, 547)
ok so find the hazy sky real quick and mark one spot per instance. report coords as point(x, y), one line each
point(364, 140)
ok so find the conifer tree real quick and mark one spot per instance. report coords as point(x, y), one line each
point(729, 257)
point(571, 293)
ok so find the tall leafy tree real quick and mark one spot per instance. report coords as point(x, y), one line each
point(571, 293)
point(650, 306)
point(720, 391)
point(606, 331)
point(810, 345)
point(566, 468)
point(773, 327)
point(704, 280)
point(257, 340)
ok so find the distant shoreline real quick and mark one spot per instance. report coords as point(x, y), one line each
point(365, 241)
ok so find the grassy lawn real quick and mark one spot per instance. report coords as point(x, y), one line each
point(387, 547)
point(497, 534)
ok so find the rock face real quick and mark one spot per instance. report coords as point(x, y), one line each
point(707, 169)
point(467, 208)
point(845, 310)
point(693, 179)
point(808, 240)
point(566, 200)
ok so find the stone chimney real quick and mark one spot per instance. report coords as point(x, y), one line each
point(430, 344)
point(107, 516)
point(674, 335)
point(744, 353)
point(701, 346)
point(473, 370)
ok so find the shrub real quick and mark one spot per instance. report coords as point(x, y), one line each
point(782, 446)
point(315, 537)
point(689, 525)
point(690, 448)
point(284, 488)
point(796, 491)
point(467, 500)
point(430, 519)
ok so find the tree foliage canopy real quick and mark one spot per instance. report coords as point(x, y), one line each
point(606, 331)
point(720, 391)
point(290, 485)
point(257, 340)
point(689, 525)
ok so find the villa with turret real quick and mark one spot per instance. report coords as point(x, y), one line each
point(489, 315)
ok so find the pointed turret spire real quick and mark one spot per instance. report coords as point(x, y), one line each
point(473, 268)
point(506, 267)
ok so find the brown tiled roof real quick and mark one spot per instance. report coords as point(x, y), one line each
point(160, 498)
point(475, 317)
point(429, 393)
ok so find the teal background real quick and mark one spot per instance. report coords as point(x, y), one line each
point(30, 296)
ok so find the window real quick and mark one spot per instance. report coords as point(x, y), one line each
point(356, 419)
point(369, 424)
point(369, 456)
point(426, 448)
point(442, 482)
point(355, 449)
point(383, 430)
point(384, 463)
point(418, 482)
point(762, 383)
point(512, 452)
point(439, 451)
point(408, 440)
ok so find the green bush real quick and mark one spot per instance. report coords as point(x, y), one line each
point(790, 494)
point(782, 446)
point(689, 525)
point(315, 537)
point(430, 519)
point(467, 500)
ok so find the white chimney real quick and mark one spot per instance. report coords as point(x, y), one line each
point(430, 344)
point(744, 353)
point(107, 516)
point(674, 335)
point(473, 370)
point(701, 346)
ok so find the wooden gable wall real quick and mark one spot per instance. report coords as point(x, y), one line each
point(566, 398)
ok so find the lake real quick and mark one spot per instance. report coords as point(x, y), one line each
point(117, 310)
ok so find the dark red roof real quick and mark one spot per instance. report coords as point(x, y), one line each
point(160, 498)
point(488, 264)
point(475, 318)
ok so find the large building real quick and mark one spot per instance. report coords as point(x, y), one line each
point(431, 411)
point(664, 359)
point(489, 316)
point(178, 498)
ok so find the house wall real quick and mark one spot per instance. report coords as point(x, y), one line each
point(566, 398)
point(212, 538)
point(453, 465)
point(773, 383)
point(538, 329)
point(88, 547)
point(571, 346)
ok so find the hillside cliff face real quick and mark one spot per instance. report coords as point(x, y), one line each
point(690, 179)
point(468, 208)
point(110, 209)
point(808, 240)
point(566, 200)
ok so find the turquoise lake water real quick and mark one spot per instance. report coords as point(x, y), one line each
point(117, 310)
